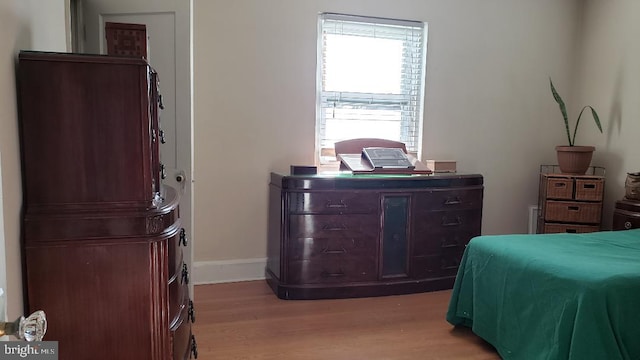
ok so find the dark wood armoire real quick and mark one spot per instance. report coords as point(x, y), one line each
point(102, 238)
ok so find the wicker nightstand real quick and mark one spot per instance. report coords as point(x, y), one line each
point(570, 203)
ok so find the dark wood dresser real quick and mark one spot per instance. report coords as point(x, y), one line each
point(102, 238)
point(338, 236)
point(626, 214)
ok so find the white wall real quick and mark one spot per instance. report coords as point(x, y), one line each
point(24, 24)
point(487, 102)
point(608, 78)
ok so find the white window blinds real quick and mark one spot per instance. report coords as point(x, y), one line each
point(370, 80)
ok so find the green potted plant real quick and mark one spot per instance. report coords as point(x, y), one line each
point(574, 159)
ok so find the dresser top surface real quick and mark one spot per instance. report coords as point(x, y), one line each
point(346, 180)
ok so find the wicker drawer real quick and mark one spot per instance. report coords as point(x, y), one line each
point(333, 226)
point(340, 269)
point(341, 202)
point(589, 189)
point(448, 199)
point(559, 188)
point(569, 228)
point(570, 211)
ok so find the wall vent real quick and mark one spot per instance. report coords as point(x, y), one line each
point(533, 218)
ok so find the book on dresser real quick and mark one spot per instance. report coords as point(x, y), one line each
point(102, 235)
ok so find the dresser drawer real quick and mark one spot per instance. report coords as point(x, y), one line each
point(437, 244)
point(434, 266)
point(625, 220)
point(341, 269)
point(589, 189)
point(448, 199)
point(322, 248)
point(559, 188)
point(439, 225)
point(567, 211)
point(178, 294)
point(333, 226)
point(180, 334)
point(341, 202)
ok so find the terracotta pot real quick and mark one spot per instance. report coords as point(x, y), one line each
point(574, 159)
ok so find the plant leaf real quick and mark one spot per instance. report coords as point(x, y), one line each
point(596, 118)
point(563, 109)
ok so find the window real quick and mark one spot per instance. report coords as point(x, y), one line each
point(370, 81)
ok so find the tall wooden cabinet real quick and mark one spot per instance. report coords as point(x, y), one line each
point(102, 238)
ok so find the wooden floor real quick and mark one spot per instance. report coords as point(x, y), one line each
point(246, 320)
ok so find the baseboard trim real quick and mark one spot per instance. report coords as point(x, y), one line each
point(223, 271)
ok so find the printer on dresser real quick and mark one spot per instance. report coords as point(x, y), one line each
point(336, 236)
point(102, 237)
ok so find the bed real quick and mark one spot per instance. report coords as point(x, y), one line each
point(552, 296)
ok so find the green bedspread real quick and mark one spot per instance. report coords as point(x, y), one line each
point(552, 296)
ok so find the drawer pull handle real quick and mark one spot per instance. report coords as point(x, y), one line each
point(574, 208)
point(338, 227)
point(194, 347)
point(571, 231)
point(341, 205)
point(558, 185)
point(453, 201)
point(589, 186)
point(327, 251)
point(444, 266)
point(446, 245)
point(183, 238)
point(185, 273)
point(627, 225)
point(192, 312)
point(331, 275)
point(456, 222)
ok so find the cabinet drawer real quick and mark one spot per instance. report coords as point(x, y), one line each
point(437, 244)
point(559, 188)
point(448, 199)
point(180, 334)
point(570, 228)
point(322, 248)
point(434, 266)
point(567, 211)
point(333, 226)
point(341, 202)
point(442, 229)
point(343, 269)
point(625, 220)
point(175, 254)
point(589, 189)
point(178, 294)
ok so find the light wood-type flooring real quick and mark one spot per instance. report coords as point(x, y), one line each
point(245, 320)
